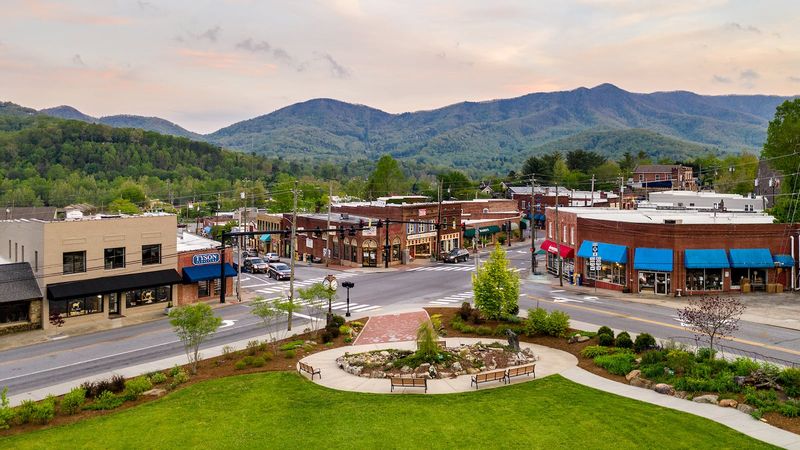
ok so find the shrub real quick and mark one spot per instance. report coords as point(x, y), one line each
point(436, 320)
point(593, 351)
point(6, 412)
point(100, 386)
point(180, 377)
point(258, 361)
point(252, 347)
point(556, 324)
point(175, 370)
point(652, 371)
point(228, 351)
point(653, 357)
point(291, 345)
point(469, 329)
point(117, 383)
point(605, 330)
point(106, 400)
point(289, 354)
point(326, 336)
point(333, 329)
point(789, 379)
point(136, 386)
point(606, 340)
point(356, 324)
point(476, 317)
point(680, 361)
point(744, 366)
point(158, 378)
point(345, 330)
point(427, 348)
point(44, 411)
point(248, 360)
point(537, 321)
point(483, 330)
point(763, 400)
point(338, 320)
point(617, 363)
point(790, 408)
point(644, 342)
point(348, 340)
point(240, 364)
point(513, 310)
point(24, 411)
point(466, 311)
point(89, 388)
point(267, 356)
point(73, 401)
point(705, 354)
point(623, 340)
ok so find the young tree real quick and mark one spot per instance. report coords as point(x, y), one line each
point(193, 324)
point(427, 348)
point(387, 179)
point(316, 299)
point(270, 313)
point(496, 286)
point(714, 317)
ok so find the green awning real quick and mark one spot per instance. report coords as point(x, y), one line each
point(469, 233)
point(491, 229)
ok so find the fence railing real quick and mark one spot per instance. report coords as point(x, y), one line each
point(730, 351)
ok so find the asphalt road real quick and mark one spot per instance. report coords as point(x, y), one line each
point(42, 365)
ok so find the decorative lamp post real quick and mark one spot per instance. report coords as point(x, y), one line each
point(348, 285)
point(330, 283)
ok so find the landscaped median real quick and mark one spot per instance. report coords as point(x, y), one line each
point(283, 410)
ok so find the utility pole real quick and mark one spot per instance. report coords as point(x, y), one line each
point(558, 244)
point(533, 228)
point(239, 253)
point(439, 225)
point(386, 248)
point(591, 201)
point(291, 255)
point(621, 189)
point(327, 234)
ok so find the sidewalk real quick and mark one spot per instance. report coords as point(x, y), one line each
point(779, 310)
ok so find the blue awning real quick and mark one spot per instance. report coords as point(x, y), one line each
point(706, 259)
point(607, 252)
point(207, 230)
point(658, 259)
point(207, 272)
point(266, 237)
point(754, 258)
point(784, 260)
point(538, 217)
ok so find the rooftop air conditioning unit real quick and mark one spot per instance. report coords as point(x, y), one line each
point(345, 216)
point(670, 221)
point(74, 214)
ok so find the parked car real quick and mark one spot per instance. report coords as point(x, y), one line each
point(252, 253)
point(255, 265)
point(456, 255)
point(279, 271)
point(272, 257)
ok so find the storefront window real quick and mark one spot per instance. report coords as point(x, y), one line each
point(14, 312)
point(335, 247)
point(704, 279)
point(608, 273)
point(353, 251)
point(148, 296)
point(204, 287)
point(755, 277)
point(396, 249)
point(77, 306)
point(346, 249)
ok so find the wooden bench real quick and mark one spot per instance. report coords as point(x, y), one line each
point(310, 370)
point(442, 344)
point(517, 371)
point(409, 382)
point(497, 375)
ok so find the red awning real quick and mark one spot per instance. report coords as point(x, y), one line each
point(552, 247)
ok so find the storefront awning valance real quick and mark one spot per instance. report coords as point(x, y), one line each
point(538, 217)
point(656, 259)
point(491, 229)
point(206, 272)
point(266, 237)
point(784, 260)
point(551, 247)
point(753, 258)
point(706, 259)
point(106, 285)
point(469, 233)
point(607, 252)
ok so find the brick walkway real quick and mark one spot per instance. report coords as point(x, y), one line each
point(391, 328)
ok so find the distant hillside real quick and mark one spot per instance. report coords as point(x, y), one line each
point(12, 109)
point(123, 121)
point(496, 135)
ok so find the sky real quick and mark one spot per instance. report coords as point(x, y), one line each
point(207, 64)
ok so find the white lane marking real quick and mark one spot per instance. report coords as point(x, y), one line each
point(369, 308)
point(438, 302)
point(256, 285)
point(555, 291)
point(228, 323)
point(566, 300)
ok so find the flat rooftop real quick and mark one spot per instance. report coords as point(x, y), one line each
point(92, 217)
point(188, 242)
point(659, 216)
point(702, 194)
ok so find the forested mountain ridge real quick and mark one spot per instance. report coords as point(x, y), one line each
point(156, 124)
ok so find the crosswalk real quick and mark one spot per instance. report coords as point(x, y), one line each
point(453, 268)
point(455, 299)
point(282, 288)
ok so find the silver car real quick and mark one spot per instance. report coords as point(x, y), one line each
point(272, 257)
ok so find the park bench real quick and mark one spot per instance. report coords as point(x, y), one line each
point(310, 370)
point(497, 375)
point(409, 382)
point(517, 371)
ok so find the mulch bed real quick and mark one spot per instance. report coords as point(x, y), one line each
point(207, 369)
point(791, 424)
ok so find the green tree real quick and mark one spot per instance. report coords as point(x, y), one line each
point(584, 161)
point(496, 286)
point(316, 299)
point(270, 312)
point(194, 324)
point(782, 149)
point(387, 178)
point(124, 206)
point(427, 347)
point(456, 184)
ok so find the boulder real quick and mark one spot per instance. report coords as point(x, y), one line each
point(472, 371)
point(747, 409)
point(639, 382)
point(384, 353)
point(457, 366)
point(739, 380)
point(405, 369)
point(728, 403)
point(633, 374)
point(424, 366)
point(709, 398)
point(663, 388)
point(681, 395)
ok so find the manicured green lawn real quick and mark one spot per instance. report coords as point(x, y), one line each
point(281, 410)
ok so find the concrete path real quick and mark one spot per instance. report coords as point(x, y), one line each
point(550, 361)
point(727, 416)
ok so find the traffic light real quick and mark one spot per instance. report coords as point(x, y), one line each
point(341, 232)
point(360, 223)
point(379, 225)
point(352, 231)
point(463, 227)
point(286, 232)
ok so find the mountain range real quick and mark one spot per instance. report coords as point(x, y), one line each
point(493, 136)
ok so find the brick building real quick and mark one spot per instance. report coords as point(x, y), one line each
point(487, 218)
point(663, 252)
point(198, 264)
point(666, 176)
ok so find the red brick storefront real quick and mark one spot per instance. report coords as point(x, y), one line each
point(192, 292)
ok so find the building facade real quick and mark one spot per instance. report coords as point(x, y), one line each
point(20, 299)
point(707, 200)
point(100, 267)
point(664, 176)
point(268, 243)
point(199, 266)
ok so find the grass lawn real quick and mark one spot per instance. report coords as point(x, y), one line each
point(282, 410)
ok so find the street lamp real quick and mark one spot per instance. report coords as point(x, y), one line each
point(348, 285)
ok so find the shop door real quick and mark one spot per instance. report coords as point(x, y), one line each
point(369, 257)
point(113, 303)
point(662, 283)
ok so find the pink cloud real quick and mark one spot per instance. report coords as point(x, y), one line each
point(229, 62)
point(56, 12)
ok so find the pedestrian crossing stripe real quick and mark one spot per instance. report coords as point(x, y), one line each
point(451, 299)
point(452, 269)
